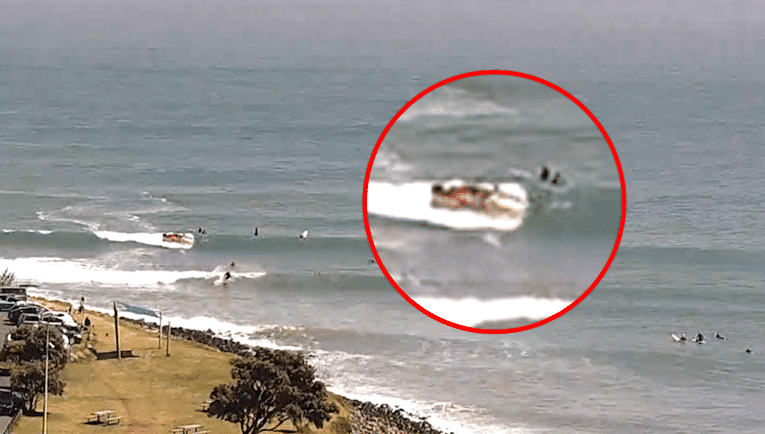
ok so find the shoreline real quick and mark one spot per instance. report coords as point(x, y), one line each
point(366, 417)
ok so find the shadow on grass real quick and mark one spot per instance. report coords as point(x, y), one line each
point(105, 355)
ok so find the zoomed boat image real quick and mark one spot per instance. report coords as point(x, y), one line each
point(178, 237)
point(496, 200)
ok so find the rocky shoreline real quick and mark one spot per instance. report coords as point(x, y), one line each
point(368, 418)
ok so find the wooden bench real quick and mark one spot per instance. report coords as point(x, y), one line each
point(113, 420)
point(102, 416)
point(189, 429)
point(205, 406)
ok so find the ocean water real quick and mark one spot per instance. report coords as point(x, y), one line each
point(120, 122)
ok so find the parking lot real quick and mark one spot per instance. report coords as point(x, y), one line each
point(5, 379)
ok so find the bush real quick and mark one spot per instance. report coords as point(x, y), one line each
point(28, 380)
point(28, 344)
point(271, 387)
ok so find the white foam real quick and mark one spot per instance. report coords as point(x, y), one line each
point(471, 311)
point(223, 329)
point(29, 231)
point(411, 201)
point(53, 270)
point(445, 416)
point(455, 103)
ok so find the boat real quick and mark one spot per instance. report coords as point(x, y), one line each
point(496, 200)
point(178, 238)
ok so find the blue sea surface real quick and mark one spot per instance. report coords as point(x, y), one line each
point(119, 122)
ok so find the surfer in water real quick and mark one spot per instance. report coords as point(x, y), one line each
point(226, 278)
point(699, 338)
point(717, 335)
point(544, 176)
point(556, 179)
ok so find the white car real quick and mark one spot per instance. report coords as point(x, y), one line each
point(65, 318)
point(29, 319)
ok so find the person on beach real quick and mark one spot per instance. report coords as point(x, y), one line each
point(81, 309)
point(87, 322)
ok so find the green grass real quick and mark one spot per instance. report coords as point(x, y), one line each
point(152, 392)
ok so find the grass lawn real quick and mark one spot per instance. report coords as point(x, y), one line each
point(153, 393)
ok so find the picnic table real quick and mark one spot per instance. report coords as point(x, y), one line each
point(189, 429)
point(106, 417)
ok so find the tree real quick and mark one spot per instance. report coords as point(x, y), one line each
point(26, 352)
point(28, 344)
point(6, 279)
point(28, 379)
point(273, 386)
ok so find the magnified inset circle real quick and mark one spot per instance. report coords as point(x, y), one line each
point(494, 202)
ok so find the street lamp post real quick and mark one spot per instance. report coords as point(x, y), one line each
point(45, 402)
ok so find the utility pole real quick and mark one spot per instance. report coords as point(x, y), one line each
point(168, 339)
point(45, 403)
point(160, 331)
point(117, 330)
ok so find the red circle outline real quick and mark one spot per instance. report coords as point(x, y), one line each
point(597, 279)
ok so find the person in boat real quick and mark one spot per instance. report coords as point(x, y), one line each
point(556, 179)
point(545, 174)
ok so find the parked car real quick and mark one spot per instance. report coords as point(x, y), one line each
point(5, 306)
point(8, 297)
point(29, 319)
point(52, 320)
point(73, 334)
point(10, 402)
point(65, 318)
point(15, 312)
